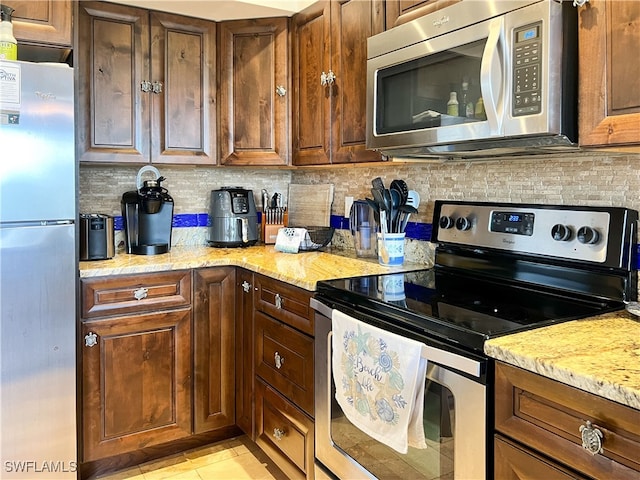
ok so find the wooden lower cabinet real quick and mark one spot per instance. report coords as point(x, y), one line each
point(540, 421)
point(136, 382)
point(245, 371)
point(284, 432)
point(213, 345)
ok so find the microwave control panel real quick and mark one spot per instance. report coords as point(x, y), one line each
point(527, 70)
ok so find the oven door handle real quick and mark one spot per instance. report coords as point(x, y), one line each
point(432, 354)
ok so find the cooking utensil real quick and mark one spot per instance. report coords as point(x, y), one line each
point(406, 211)
point(401, 187)
point(377, 183)
point(395, 205)
point(413, 198)
point(384, 253)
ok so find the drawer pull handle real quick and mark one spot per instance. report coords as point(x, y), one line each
point(591, 438)
point(90, 339)
point(279, 361)
point(246, 286)
point(140, 293)
point(279, 301)
point(279, 434)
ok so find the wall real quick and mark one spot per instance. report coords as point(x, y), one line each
point(585, 180)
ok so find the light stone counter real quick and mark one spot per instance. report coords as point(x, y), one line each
point(600, 355)
point(303, 269)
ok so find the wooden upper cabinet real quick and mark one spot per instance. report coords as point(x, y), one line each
point(329, 80)
point(403, 11)
point(609, 74)
point(146, 86)
point(254, 92)
point(46, 22)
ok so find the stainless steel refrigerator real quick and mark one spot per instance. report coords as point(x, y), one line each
point(38, 264)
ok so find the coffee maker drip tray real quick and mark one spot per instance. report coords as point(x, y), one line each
point(153, 249)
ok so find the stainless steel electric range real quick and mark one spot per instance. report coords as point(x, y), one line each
point(499, 269)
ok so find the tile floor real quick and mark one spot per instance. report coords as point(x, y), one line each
point(234, 459)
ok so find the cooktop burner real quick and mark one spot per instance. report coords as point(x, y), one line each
point(460, 309)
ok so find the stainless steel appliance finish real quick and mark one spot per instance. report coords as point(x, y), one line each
point(442, 372)
point(96, 236)
point(518, 57)
point(233, 220)
point(38, 264)
point(499, 268)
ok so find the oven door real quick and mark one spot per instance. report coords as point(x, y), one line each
point(455, 421)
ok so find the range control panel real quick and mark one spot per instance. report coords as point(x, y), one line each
point(579, 233)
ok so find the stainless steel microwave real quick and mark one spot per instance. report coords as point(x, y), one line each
point(475, 79)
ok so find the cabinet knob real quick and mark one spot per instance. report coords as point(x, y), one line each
point(145, 86)
point(591, 438)
point(279, 301)
point(278, 360)
point(156, 87)
point(278, 433)
point(327, 78)
point(90, 339)
point(579, 3)
point(246, 286)
point(140, 293)
point(281, 91)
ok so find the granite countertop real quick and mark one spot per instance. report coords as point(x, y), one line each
point(600, 355)
point(303, 269)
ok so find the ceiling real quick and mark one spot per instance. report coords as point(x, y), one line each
point(219, 10)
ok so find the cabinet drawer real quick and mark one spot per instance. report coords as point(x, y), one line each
point(547, 415)
point(135, 293)
point(284, 359)
point(284, 433)
point(285, 302)
point(512, 461)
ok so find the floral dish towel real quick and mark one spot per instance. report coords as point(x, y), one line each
point(380, 382)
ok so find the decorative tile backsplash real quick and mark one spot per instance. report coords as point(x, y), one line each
point(587, 179)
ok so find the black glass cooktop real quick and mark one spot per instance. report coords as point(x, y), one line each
point(457, 308)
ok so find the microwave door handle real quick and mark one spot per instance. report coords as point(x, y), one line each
point(491, 75)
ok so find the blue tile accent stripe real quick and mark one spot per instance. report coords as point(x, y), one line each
point(415, 230)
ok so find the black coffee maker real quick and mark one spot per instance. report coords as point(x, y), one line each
point(147, 214)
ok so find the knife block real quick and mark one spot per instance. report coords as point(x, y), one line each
point(270, 229)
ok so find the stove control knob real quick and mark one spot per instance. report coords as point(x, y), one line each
point(463, 223)
point(446, 222)
point(588, 235)
point(561, 233)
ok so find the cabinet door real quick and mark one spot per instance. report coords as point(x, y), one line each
point(244, 352)
point(254, 92)
point(183, 111)
point(609, 76)
point(213, 344)
point(136, 382)
point(403, 11)
point(352, 22)
point(42, 22)
point(311, 119)
point(112, 62)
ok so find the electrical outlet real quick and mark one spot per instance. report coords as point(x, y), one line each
point(348, 201)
